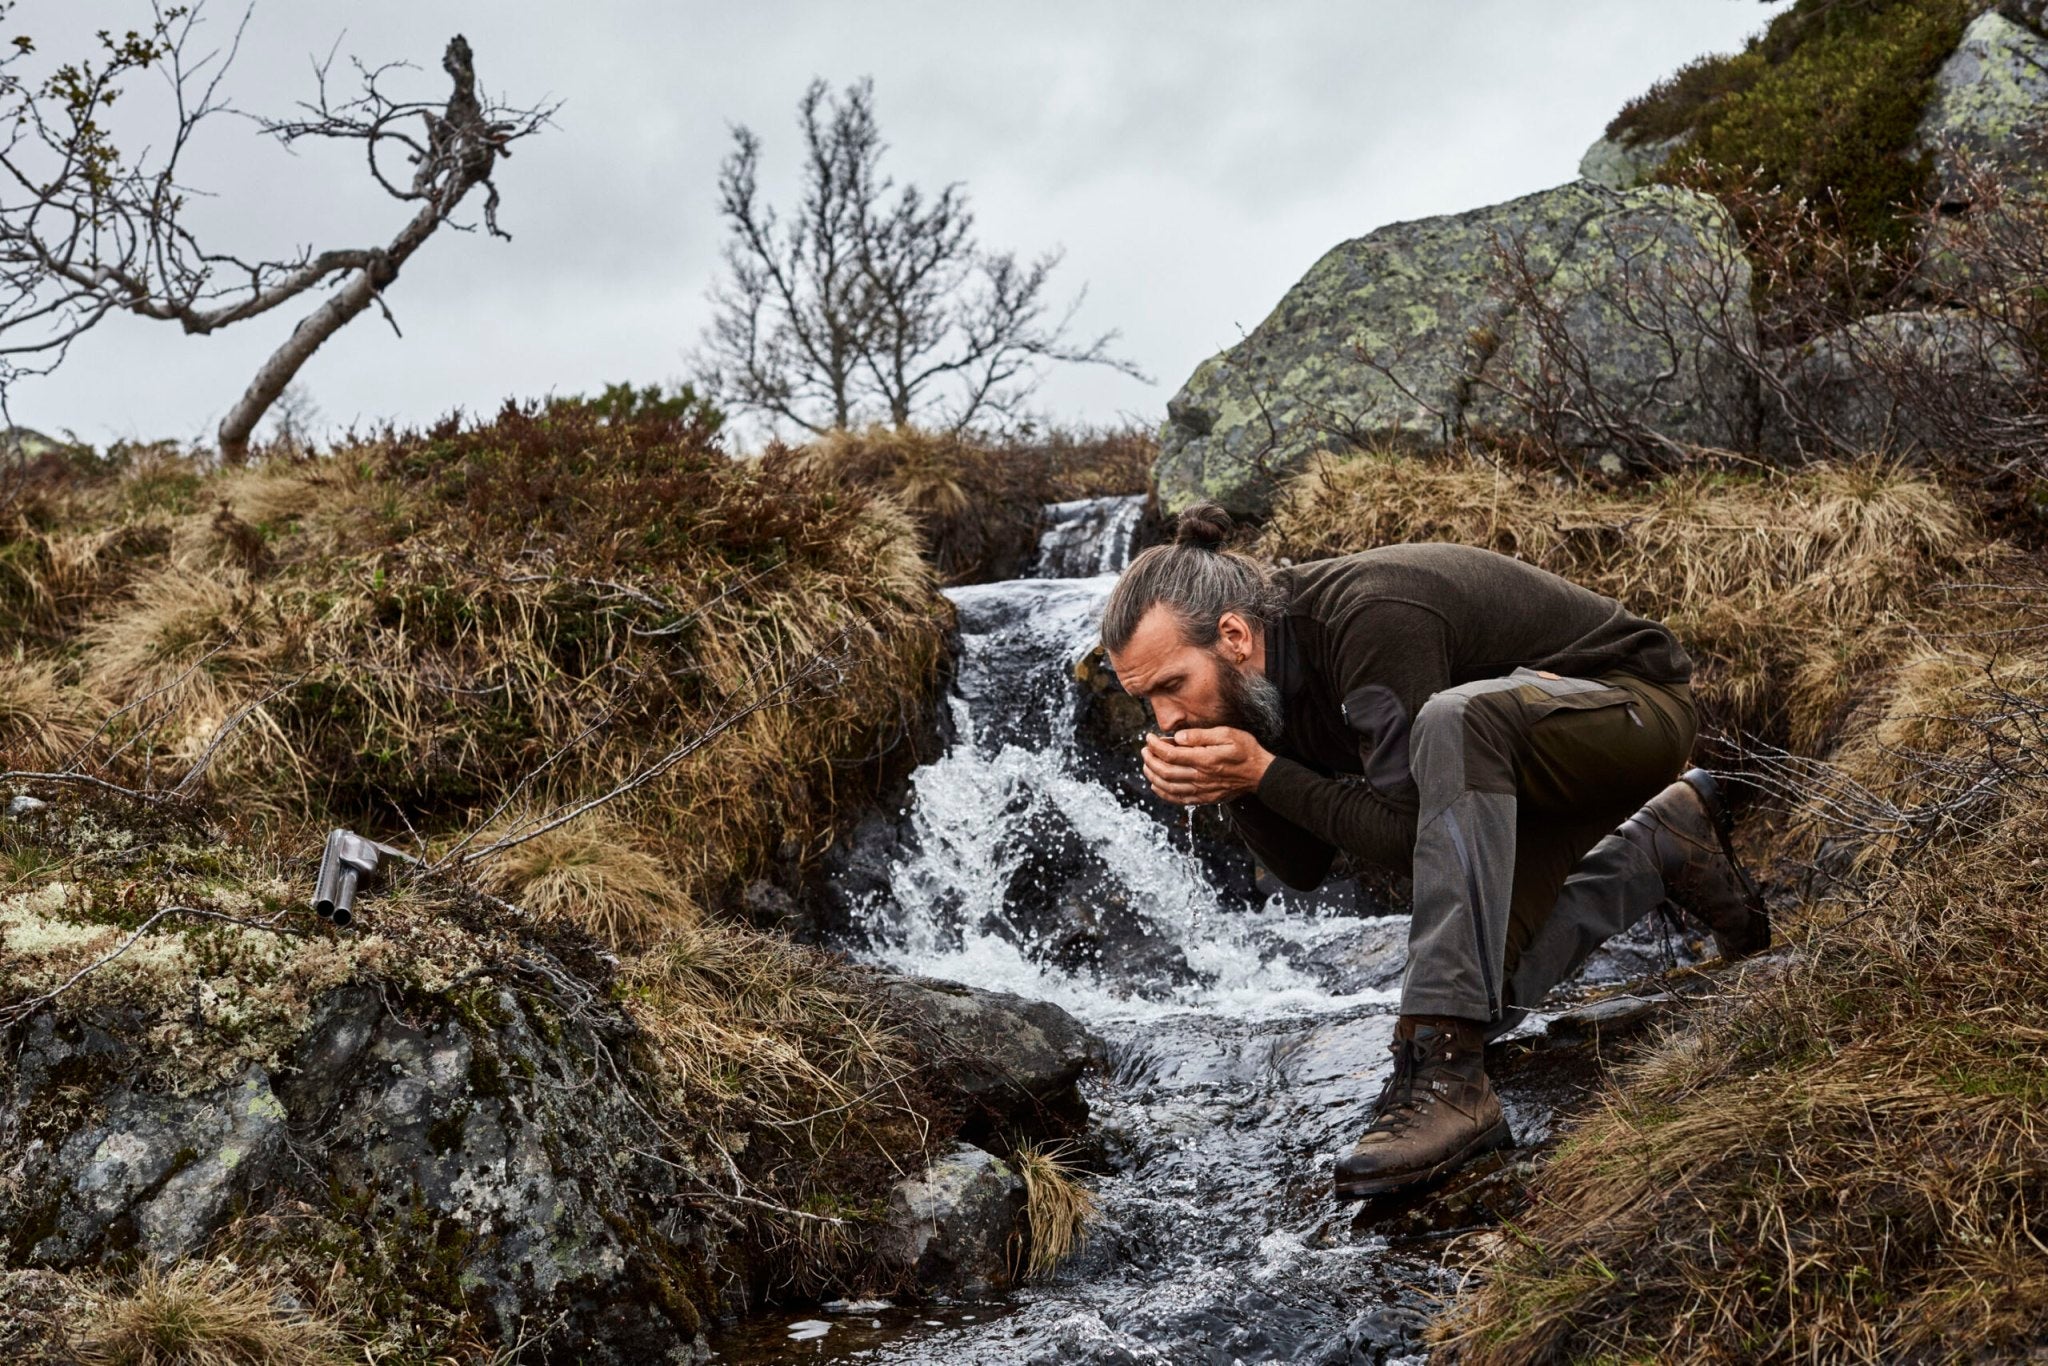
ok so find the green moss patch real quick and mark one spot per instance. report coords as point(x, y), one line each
point(1823, 104)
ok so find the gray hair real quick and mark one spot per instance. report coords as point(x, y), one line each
point(1197, 579)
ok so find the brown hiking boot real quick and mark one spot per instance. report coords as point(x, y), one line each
point(1686, 831)
point(1436, 1112)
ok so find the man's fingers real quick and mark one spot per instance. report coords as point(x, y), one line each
point(1170, 756)
point(1177, 776)
point(1208, 736)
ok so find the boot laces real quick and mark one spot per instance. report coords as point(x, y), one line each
point(1404, 1095)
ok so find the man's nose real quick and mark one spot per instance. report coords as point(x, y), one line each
point(1168, 716)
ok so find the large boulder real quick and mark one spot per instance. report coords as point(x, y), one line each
point(1890, 382)
point(1989, 102)
point(1392, 335)
point(1623, 164)
point(463, 1147)
point(1010, 1063)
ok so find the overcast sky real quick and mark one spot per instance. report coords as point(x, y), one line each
point(1192, 158)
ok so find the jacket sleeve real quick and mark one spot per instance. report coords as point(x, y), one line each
point(1388, 658)
point(1283, 848)
point(1349, 816)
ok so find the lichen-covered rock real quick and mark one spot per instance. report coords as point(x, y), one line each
point(474, 1145)
point(1635, 335)
point(1990, 99)
point(156, 1174)
point(952, 1226)
point(1618, 164)
point(1841, 392)
point(1009, 1062)
point(1397, 334)
point(2030, 14)
point(435, 1105)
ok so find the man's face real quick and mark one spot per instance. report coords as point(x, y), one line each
point(1192, 686)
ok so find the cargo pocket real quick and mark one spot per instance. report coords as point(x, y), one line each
point(1544, 694)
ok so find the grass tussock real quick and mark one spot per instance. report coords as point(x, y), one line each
point(1847, 1164)
point(1841, 1159)
point(976, 501)
point(203, 1313)
point(593, 874)
point(547, 605)
point(1793, 591)
point(788, 1070)
point(1058, 1208)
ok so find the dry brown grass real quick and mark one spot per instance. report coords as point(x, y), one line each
point(401, 635)
point(1792, 590)
point(976, 502)
point(41, 721)
point(1058, 1208)
point(1842, 1158)
point(1847, 1163)
point(776, 1049)
point(591, 873)
point(203, 1313)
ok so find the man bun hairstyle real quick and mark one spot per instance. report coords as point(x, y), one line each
point(1205, 526)
point(1198, 578)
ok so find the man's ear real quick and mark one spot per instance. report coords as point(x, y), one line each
point(1235, 635)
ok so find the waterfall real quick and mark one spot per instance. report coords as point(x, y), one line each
point(1088, 536)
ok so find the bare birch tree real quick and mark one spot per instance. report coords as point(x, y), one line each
point(871, 300)
point(86, 231)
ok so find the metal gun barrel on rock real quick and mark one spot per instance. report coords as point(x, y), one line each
point(348, 862)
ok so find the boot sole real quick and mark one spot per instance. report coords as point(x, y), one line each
point(1360, 1187)
point(1703, 783)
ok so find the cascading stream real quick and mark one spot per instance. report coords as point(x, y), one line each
point(1247, 1035)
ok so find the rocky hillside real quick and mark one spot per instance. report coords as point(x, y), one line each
point(1752, 246)
point(607, 690)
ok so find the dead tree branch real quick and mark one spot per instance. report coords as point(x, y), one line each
point(86, 231)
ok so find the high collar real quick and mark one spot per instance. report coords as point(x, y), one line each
point(1283, 658)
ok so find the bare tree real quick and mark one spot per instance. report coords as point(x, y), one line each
point(871, 300)
point(294, 417)
point(86, 232)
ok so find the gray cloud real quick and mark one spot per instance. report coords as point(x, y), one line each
point(1193, 159)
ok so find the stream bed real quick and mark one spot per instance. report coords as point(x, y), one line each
point(1247, 1033)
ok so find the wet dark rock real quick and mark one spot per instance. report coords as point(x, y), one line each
point(773, 908)
point(852, 882)
point(470, 1140)
point(952, 1226)
point(1487, 1192)
point(1619, 1014)
point(1008, 1062)
point(1064, 900)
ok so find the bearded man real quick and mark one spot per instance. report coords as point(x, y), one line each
point(1511, 741)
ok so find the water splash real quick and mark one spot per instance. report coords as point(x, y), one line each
point(1025, 872)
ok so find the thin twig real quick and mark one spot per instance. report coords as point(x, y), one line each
point(14, 1014)
point(780, 692)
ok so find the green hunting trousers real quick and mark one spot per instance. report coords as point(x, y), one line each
point(1518, 873)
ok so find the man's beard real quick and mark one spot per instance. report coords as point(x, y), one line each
point(1250, 701)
